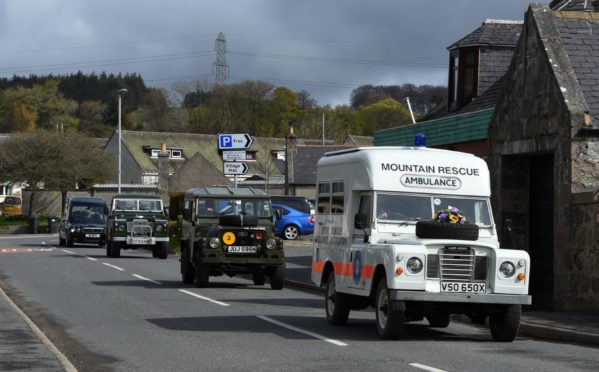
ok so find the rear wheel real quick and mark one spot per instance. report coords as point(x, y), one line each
point(259, 277)
point(504, 323)
point(439, 320)
point(291, 232)
point(390, 315)
point(277, 277)
point(337, 305)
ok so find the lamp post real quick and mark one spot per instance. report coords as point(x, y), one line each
point(120, 92)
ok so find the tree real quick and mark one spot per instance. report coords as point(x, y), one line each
point(382, 115)
point(53, 160)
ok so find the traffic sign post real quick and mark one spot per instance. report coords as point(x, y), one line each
point(234, 141)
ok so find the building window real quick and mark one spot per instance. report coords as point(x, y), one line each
point(176, 154)
point(155, 153)
point(463, 77)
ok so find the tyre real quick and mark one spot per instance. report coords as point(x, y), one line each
point(187, 271)
point(115, 250)
point(238, 220)
point(337, 305)
point(259, 277)
point(291, 232)
point(439, 320)
point(390, 315)
point(504, 323)
point(277, 277)
point(68, 241)
point(108, 248)
point(155, 251)
point(61, 241)
point(444, 230)
point(161, 250)
point(202, 275)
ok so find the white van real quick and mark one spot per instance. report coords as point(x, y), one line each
point(377, 243)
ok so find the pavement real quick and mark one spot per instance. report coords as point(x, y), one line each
point(24, 347)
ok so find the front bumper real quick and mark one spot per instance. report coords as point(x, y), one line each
point(399, 295)
point(133, 241)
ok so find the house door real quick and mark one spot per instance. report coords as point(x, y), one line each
point(541, 231)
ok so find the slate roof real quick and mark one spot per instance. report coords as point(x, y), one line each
point(580, 36)
point(305, 162)
point(572, 5)
point(491, 33)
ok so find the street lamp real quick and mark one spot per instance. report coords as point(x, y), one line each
point(120, 92)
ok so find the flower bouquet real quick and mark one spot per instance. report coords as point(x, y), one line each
point(451, 215)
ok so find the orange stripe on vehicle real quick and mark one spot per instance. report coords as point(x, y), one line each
point(343, 269)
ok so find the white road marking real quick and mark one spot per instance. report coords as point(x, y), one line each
point(64, 250)
point(203, 298)
point(427, 368)
point(114, 267)
point(315, 335)
point(146, 279)
point(90, 258)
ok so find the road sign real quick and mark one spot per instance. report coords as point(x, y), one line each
point(235, 168)
point(234, 155)
point(234, 141)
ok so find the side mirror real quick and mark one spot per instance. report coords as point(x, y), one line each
point(165, 211)
point(507, 225)
point(360, 221)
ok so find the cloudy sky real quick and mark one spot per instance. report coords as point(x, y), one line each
point(326, 47)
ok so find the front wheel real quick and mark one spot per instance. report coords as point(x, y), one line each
point(337, 305)
point(162, 250)
point(68, 241)
point(390, 315)
point(187, 272)
point(202, 275)
point(504, 323)
point(115, 249)
point(291, 232)
point(108, 248)
point(277, 277)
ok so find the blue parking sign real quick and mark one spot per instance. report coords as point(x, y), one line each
point(225, 141)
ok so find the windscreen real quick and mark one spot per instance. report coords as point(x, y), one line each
point(218, 207)
point(87, 213)
point(146, 205)
point(401, 207)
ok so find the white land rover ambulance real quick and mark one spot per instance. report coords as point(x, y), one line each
point(376, 243)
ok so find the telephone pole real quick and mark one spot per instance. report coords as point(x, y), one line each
point(220, 67)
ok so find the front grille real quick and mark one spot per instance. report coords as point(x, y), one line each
point(141, 231)
point(93, 230)
point(457, 267)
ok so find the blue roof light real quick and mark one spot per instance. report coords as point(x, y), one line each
point(420, 140)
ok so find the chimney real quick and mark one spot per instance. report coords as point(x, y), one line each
point(163, 174)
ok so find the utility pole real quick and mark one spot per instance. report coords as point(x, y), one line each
point(323, 128)
point(410, 108)
point(220, 68)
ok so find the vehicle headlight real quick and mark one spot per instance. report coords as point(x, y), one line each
point(507, 269)
point(122, 228)
point(159, 228)
point(271, 243)
point(414, 265)
point(214, 243)
point(72, 229)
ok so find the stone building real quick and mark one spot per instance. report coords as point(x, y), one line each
point(544, 154)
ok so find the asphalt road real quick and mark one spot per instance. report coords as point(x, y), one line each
point(134, 314)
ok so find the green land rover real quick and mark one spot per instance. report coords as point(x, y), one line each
point(230, 231)
point(137, 221)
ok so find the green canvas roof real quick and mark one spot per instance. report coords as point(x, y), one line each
point(224, 192)
point(471, 126)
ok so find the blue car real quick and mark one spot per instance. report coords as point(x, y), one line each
point(291, 223)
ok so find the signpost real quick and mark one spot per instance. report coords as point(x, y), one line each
point(233, 157)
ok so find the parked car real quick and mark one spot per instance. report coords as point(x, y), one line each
point(84, 221)
point(12, 206)
point(290, 223)
point(298, 203)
